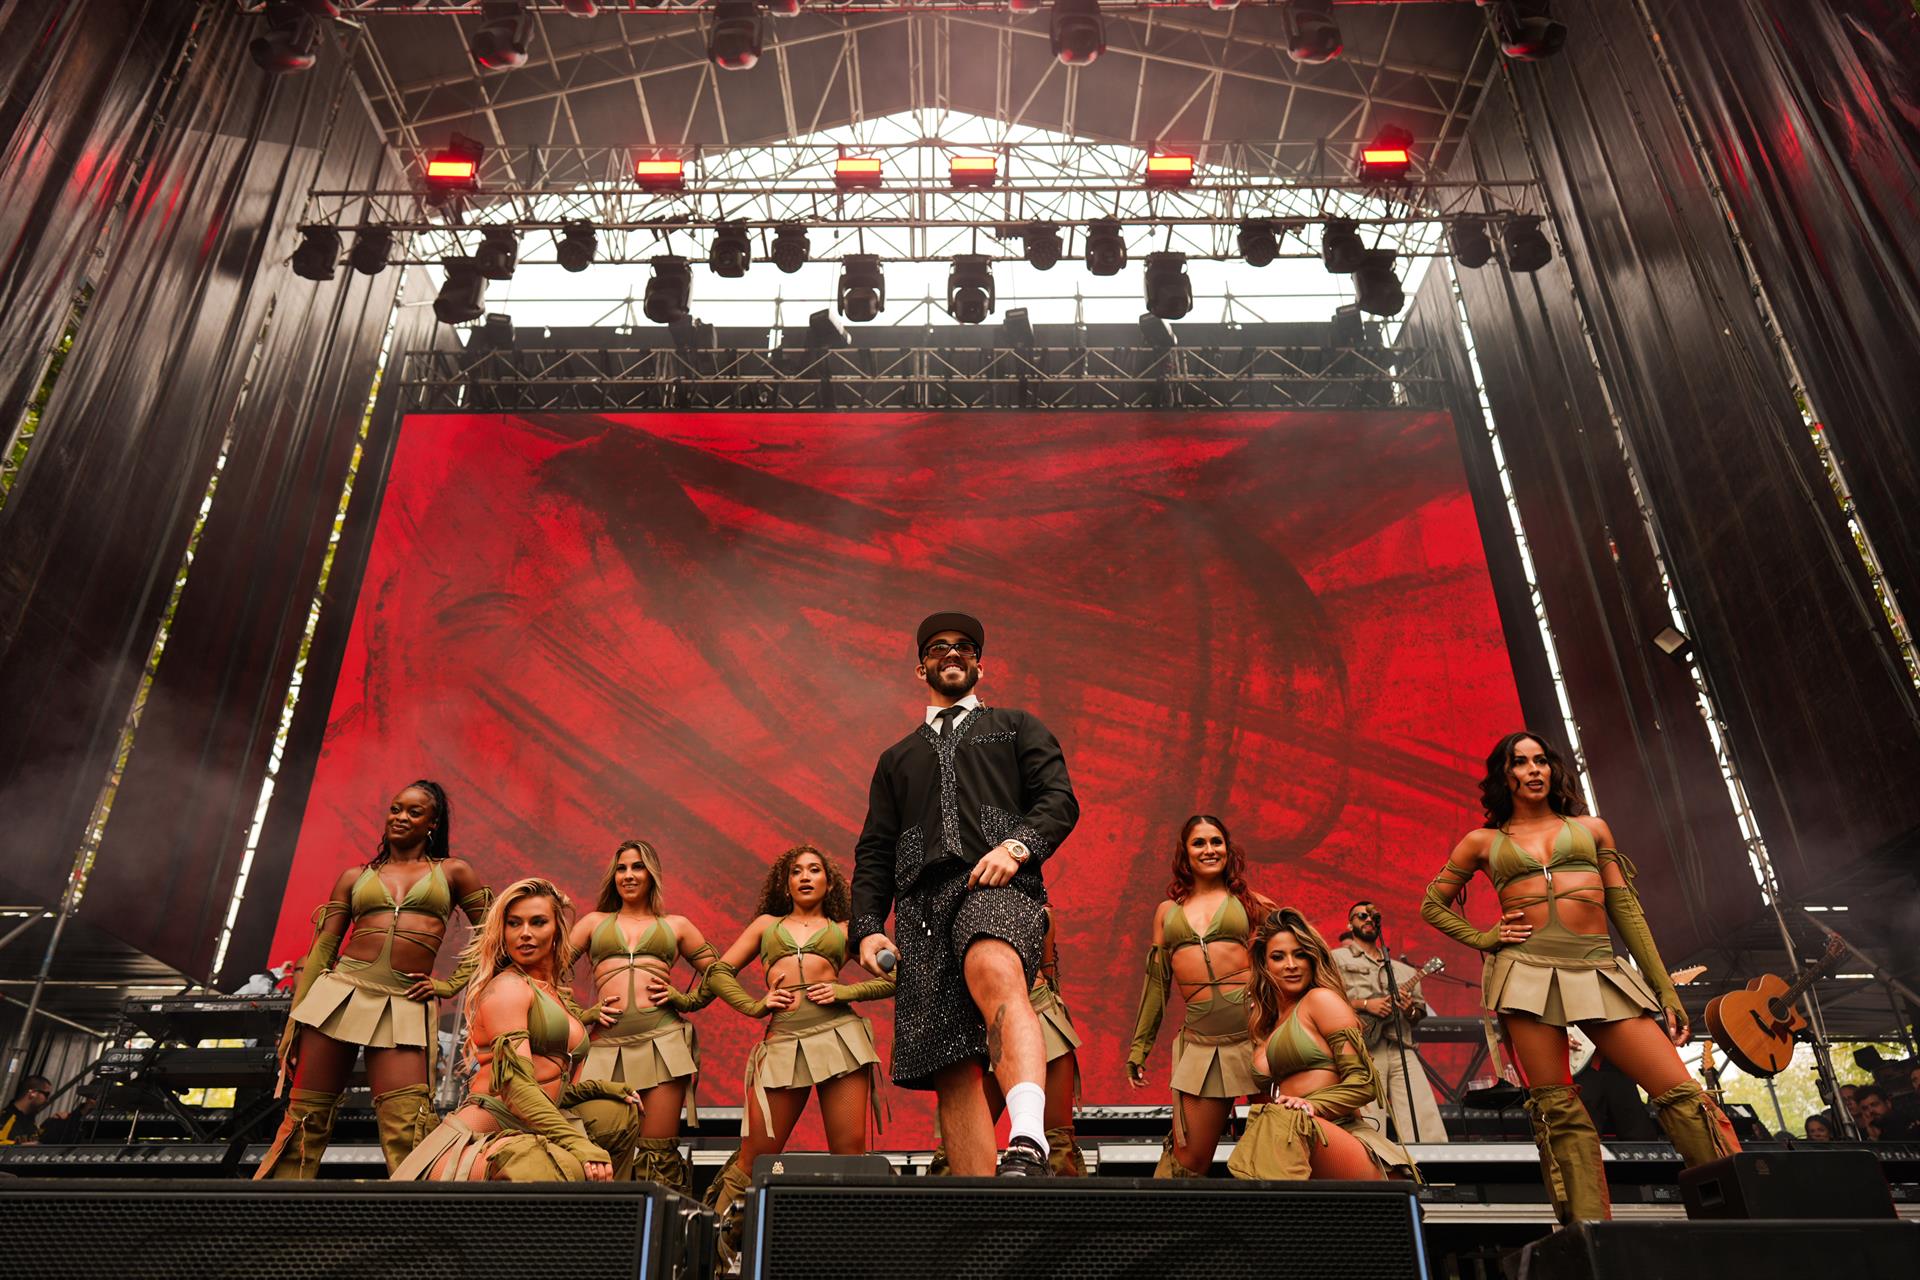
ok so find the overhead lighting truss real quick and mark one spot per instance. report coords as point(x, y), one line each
point(916, 213)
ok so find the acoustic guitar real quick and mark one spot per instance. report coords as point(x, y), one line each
point(1755, 1027)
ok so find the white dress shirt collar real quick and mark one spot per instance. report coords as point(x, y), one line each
point(969, 705)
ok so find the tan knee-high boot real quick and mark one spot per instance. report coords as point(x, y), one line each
point(1064, 1159)
point(1170, 1166)
point(404, 1116)
point(1569, 1154)
point(725, 1198)
point(1694, 1123)
point(302, 1138)
point(659, 1160)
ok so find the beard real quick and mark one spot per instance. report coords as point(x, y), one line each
point(941, 686)
point(1369, 932)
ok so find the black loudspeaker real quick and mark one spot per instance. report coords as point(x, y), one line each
point(813, 1164)
point(1065, 1228)
point(1789, 1184)
point(1750, 1250)
point(66, 1229)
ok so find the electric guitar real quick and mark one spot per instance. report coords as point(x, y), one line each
point(1755, 1027)
point(1412, 988)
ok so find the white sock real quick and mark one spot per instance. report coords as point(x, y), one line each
point(1027, 1113)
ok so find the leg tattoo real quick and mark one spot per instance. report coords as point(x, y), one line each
point(995, 1032)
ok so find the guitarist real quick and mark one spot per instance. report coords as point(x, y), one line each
point(1389, 1026)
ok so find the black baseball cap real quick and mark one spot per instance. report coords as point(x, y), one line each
point(965, 624)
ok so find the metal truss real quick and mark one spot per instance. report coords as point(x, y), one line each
point(917, 215)
point(919, 377)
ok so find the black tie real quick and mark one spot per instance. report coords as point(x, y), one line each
point(947, 717)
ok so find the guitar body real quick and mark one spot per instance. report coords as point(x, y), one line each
point(1744, 1027)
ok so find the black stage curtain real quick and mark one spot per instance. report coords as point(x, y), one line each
point(1781, 613)
point(197, 328)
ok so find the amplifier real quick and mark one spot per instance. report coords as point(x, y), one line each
point(190, 1068)
point(1788, 1184)
point(1759, 1250)
point(837, 1228)
point(61, 1230)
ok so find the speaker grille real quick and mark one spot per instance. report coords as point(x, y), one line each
point(1056, 1230)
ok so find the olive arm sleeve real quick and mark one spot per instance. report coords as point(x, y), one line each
point(1437, 910)
point(475, 905)
point(872, 989)
point(724, 979)
point(1358, 1085)
point(515, 1084)
point(1153, 1007)
point(580, 1091)
point(701, 993)
point(319, 958)
point(1623, 908)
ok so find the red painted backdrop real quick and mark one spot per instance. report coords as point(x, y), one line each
point(697, 628)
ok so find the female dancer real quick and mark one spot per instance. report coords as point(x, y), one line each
point(1552, 966)
point(815, 1040)
point(1200, 941)
point(1307, 1040)
point(378, 994)
point(632, 943)
point(522, 1121)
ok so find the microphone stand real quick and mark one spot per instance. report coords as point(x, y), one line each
point(1395, 1025)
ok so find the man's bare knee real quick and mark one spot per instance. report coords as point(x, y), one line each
point(994, 963)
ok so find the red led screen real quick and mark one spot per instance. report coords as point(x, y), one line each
point(697, 628)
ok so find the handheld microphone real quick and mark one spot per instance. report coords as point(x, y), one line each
point(886, 960)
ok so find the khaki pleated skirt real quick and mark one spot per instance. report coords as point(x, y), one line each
point(366, 1005)
point(1213, 1054)
point(1563, 980)
point(506, 1156)
point(805, 1046)
point(1056, 1024)
point(645, 1048)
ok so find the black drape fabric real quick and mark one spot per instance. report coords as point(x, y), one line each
point(1781, 613)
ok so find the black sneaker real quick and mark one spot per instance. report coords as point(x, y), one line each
point(1023, 1158)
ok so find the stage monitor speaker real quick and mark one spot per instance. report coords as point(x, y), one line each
point(814, 1164)
point(60, 1229)
point(1065, 1228)
point(1799, 1183)
point(1751, 1250)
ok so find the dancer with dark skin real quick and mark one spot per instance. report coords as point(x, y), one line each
point(1561, 881)
point(376, 992)
point(815, 1043)
point(1200, 944)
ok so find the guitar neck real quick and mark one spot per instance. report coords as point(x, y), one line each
point(1783, 1004)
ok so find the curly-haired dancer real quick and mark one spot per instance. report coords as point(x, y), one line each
point(378, 993)
point(1550, 965)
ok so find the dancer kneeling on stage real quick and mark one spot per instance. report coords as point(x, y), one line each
point(1551, 966)
point(522, 1121)
point(814, 1041)
point(1308, 1040)
point(1200, 942)
point(647, 1046)
point(378, 994)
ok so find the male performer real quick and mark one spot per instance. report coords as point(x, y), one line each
point(961, 815)
point(1363, 967)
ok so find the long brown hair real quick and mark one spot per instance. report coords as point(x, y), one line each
point(489, 943)
point(609, 898)
point(1263, 996)
point(776, 899)
point(1180, 888)
point(1496, 797)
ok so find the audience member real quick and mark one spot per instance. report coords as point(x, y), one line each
point(1819, 1128)
point(1876, 1115)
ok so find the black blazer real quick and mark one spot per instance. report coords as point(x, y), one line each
point(1009, 783)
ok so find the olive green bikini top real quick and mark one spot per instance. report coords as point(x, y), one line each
point(1229, 924)
point(430, 895)
point(608, 942)
point(828, 942)
point(550, 1032)
point(1573, 850)
point(1292, 1048)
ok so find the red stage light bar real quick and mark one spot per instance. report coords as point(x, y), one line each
point(1388, 158)
point(1169, 170)
point(973, 171)
point(856, 171)
point(660, 174)
point(451, 169)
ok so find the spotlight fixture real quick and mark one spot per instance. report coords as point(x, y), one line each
point(581, 8)
point(1525, 29)
point(660, 173)
point(501, 42)
point(1346, 328)
point(1016, 328)
point(1166, 169)
point(973, 171)
point(734, 44)
point(1157, 332)
point(790, 247)
point(850, 172)
point(690, 334)
point(1042, 240)
point(1259, 242)
point(372, 249)
point(496, 332)
point(1675, 644)
point(1169, 290)
point(464, 295)
point(1106, 248)
point(293, 35)
point(732, 251)
point(669, 290)
point(1223, 4)
point(1077, 32)
point(1389, 157)
point(577, 245)
point(784, 8)
point(1020, 6)
point(454, 170)
point(498, 253)
point(318, 252)
point(826, 330)
point(1376, 289)
point(970, 296)
point(1467, 237)
point(1527, 247)
point(1341, 249)
point(863, 293)
point(1312, 36)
